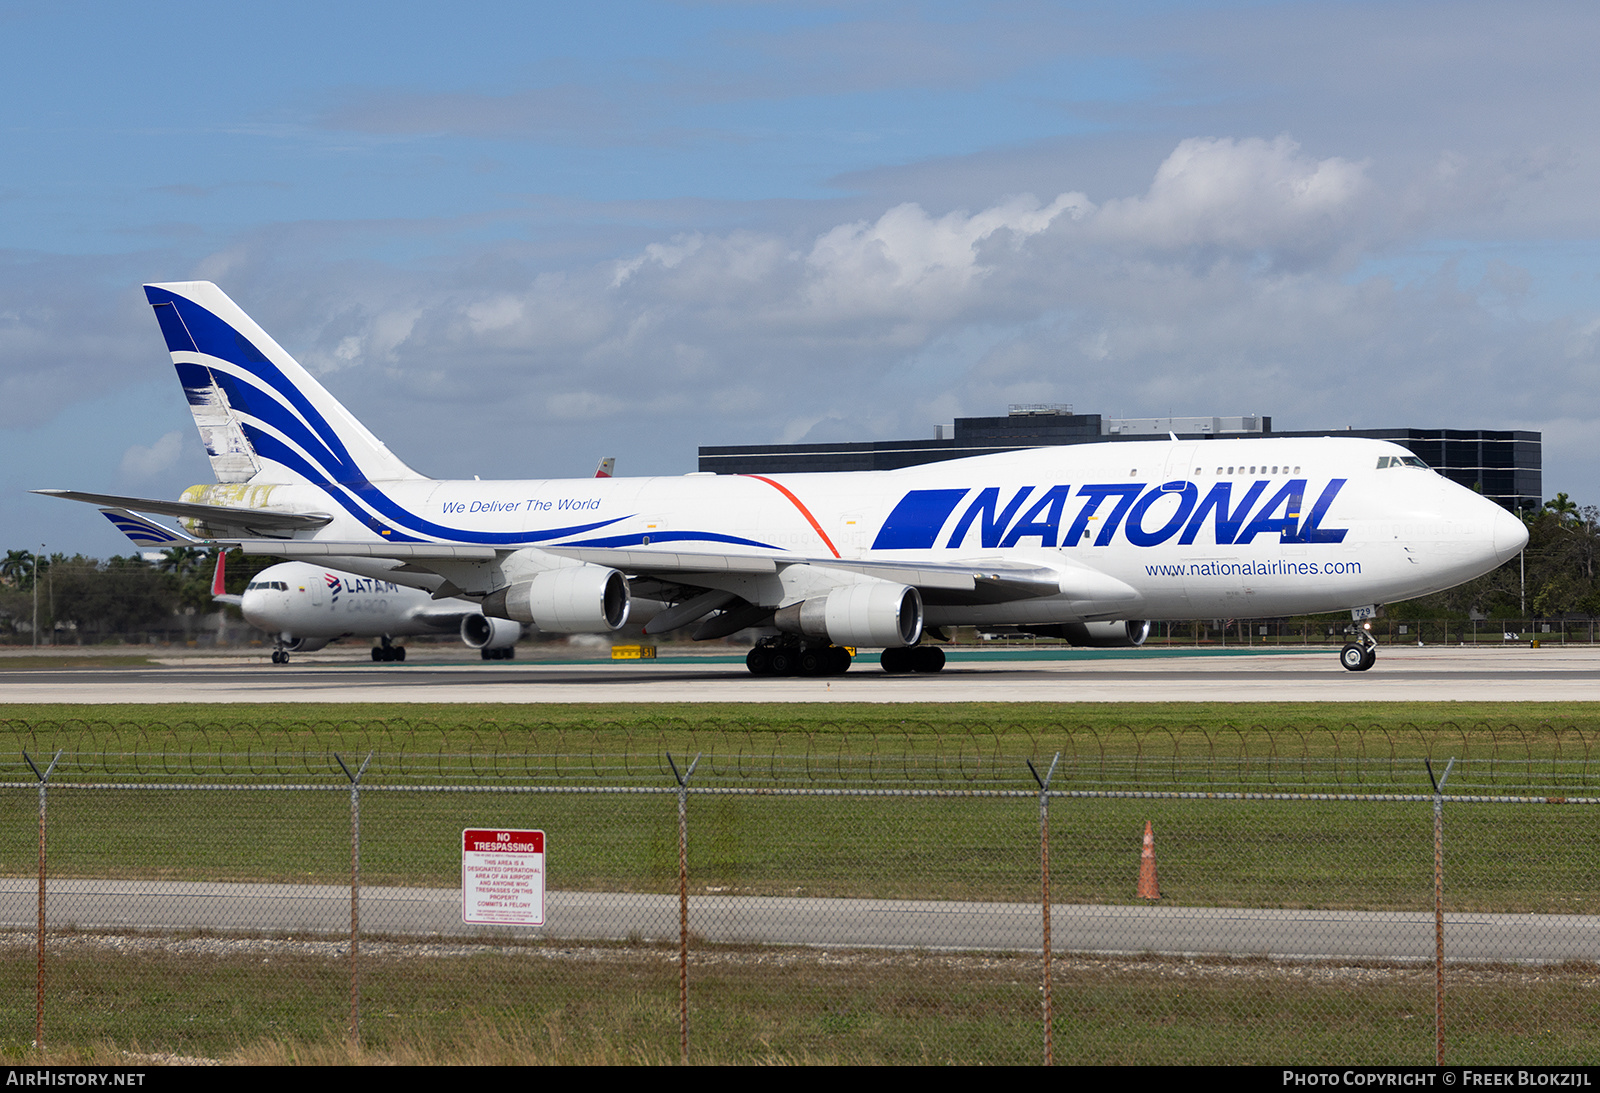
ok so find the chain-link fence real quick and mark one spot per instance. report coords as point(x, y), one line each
point(728, 895)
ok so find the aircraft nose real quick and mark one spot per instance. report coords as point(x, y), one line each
point(1510, 534)
point(256, 608)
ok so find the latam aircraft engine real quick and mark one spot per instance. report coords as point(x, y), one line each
point(1090, 540)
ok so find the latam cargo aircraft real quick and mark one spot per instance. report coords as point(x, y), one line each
point(305, 606)
point(1087, 542)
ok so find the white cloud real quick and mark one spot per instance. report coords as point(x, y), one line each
point(1246, 195)
point(1224, 283)
point(140, 463)
point(911, 264)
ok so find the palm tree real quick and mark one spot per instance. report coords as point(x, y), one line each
point(1564, 507)
point(183, 560)
point(18, 568)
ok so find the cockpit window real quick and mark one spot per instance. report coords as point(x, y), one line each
point(1387, 461)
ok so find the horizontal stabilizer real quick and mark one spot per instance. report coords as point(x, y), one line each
point(147, 533)
point(333, 548)
point(248, 521)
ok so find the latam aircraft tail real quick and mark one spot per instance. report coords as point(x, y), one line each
point(262, 417)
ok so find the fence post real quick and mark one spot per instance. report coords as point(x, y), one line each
point(355, 894)
point(683, 904)
point(1044, 872)
point(38, 1000)
point(1438, 908)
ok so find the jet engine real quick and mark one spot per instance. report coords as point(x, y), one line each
point(480, 632)
point(580, 599)
point(873, 613)
point(1099, 635)
point(303, 645)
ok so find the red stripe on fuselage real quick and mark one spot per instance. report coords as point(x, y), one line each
point(799, 505)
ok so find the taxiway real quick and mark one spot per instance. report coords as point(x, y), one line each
point(1569, 673)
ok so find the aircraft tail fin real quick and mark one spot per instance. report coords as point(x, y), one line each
point(219, 582)
point(606, 468)
point(261, 416)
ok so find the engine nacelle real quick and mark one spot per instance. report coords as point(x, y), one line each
point(579, 599)
point(304, 645)
point(872, 613)
point(1097, 635)
point(480, 632)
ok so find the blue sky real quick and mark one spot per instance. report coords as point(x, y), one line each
point(518, 239)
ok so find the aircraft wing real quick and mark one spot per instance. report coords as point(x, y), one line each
point(264, 522)
point(978, 580)
point(445, 614)
point(701, 578)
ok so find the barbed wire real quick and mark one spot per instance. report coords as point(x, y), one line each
point(1537, 760)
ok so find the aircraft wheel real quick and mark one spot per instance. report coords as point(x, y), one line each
point(1354, 658)
point(928, 658)
point(759, 661)
point(377, 654)
point(814, 662)
point(1370, 659)
point(896, 660)
point(782, 662)
point(400, 653)
point(840, 661)
point(280, 657)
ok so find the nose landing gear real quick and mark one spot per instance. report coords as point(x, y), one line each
point(1361, 654)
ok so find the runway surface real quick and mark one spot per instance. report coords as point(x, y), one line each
point(840, 923)
point(1403, 673)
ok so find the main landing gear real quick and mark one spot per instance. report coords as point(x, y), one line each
point(387, 652)
point(507, 652)
point(1361, 654)
point(785, 656)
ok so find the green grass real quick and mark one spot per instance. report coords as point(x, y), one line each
point(1367, 748)
point(554, 1003)
point(564, 1004)
point(1320, 854)
point(1331, 855)
point(45, 662)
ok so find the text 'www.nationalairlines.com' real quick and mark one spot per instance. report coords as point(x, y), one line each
point(1255, 569)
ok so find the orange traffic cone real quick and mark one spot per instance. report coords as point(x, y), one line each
point(1148, 889)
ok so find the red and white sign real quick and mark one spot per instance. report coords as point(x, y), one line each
point(502, 877)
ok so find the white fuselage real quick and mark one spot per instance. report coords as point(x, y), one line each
point(297, 600)
point(310, 601)
point(1152, 530)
